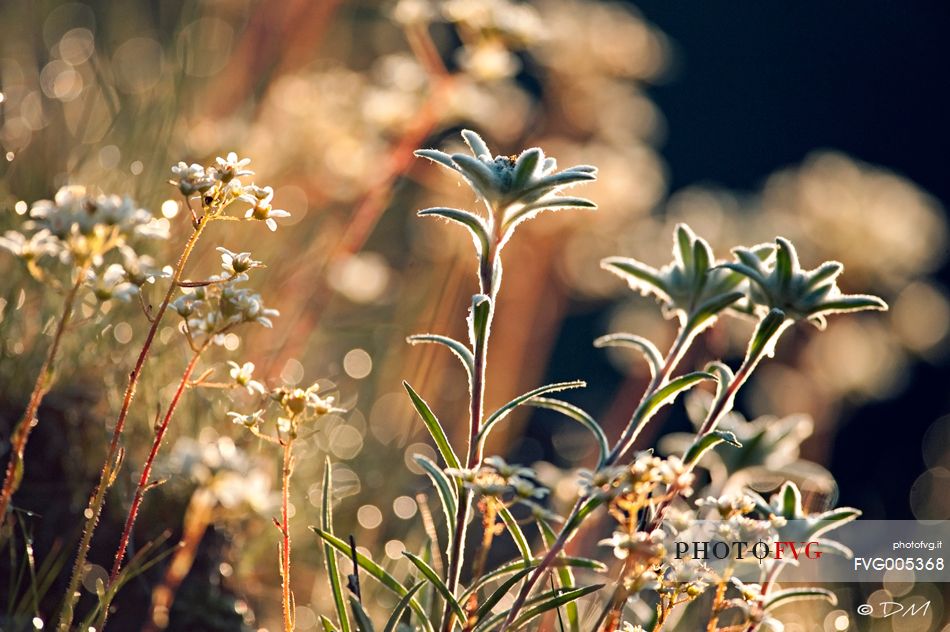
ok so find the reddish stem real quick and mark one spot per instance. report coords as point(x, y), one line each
point(285, 533)
point(149, 462)
point(21, 433)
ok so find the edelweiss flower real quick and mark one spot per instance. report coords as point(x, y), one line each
point(261, 209)
point(780, 283)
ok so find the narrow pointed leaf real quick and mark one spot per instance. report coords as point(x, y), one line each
point(446, 489)
point(476, 172)
point(707, 442)
point(652, 355)
point(789, 595)
point(438, 157)
point(401, 607)
point(461, 351)
point(712, 307)
point(375, 571)
point(580, 416)
point(525, 167)
point(434, 427)
point(649, 406)
point(503, 412)
point(429, 574)
point(474, 223)
point(833, 519)
point(514, 529)
point(485, 608)
point(852, 303)
point(478, 146)
point(564, 575)
point(363, 622)
point(333, 572)
point(639, 276)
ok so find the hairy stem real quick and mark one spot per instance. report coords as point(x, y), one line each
point(21, 433)
point(475, 447)
point(111, 464)
point(287, 596)
point(143, 483)
point(722, 406)
point(673, 357)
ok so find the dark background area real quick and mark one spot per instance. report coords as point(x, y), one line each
point(755, 87)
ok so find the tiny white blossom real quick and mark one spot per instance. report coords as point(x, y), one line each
point(261, 209)
point(243, 375)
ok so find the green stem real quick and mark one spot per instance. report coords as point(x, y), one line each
point(486, 279)
point(721, 407)
point(112, 461)
point(21, 434)
point(680, 345)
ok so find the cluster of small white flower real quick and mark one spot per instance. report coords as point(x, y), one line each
point(78, 230)
point(220, 184)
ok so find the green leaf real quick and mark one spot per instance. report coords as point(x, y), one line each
point(429, 573)
point(438, 157)
point(711, 308)
point(786, 262)
point(564, 574)
point(639, 276)
point(789, 595)
point(525, 167)
point(486, 606)
point(474, 223)
point(766, 335)
point(329, 555)
point(478, 146)
point(363, 622)
point(547, 204)
point(478, 320)
point(831, 520)
point(516, 533)
point(461, 351)
point(652, 355)
point(706, 442)
point(477, 173)
point(662, 396)
point(375, 571)
point(580, 416)
point(554, 601)
point(327, 624)
point(519, 565)
point(503, 412)
point(684, 245)
point(791, 501)
point(446, 489)
point(851, 303)
point(401, 607)
point(537, 606)
point(434, 427)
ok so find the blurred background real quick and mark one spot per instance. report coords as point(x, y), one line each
point(822, 122)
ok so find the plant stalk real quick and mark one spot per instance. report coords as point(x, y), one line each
point(475, 447)
point(21, 433)
point(112, 462)
point(143, 483)
point(287, 596)
point(678, 349)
